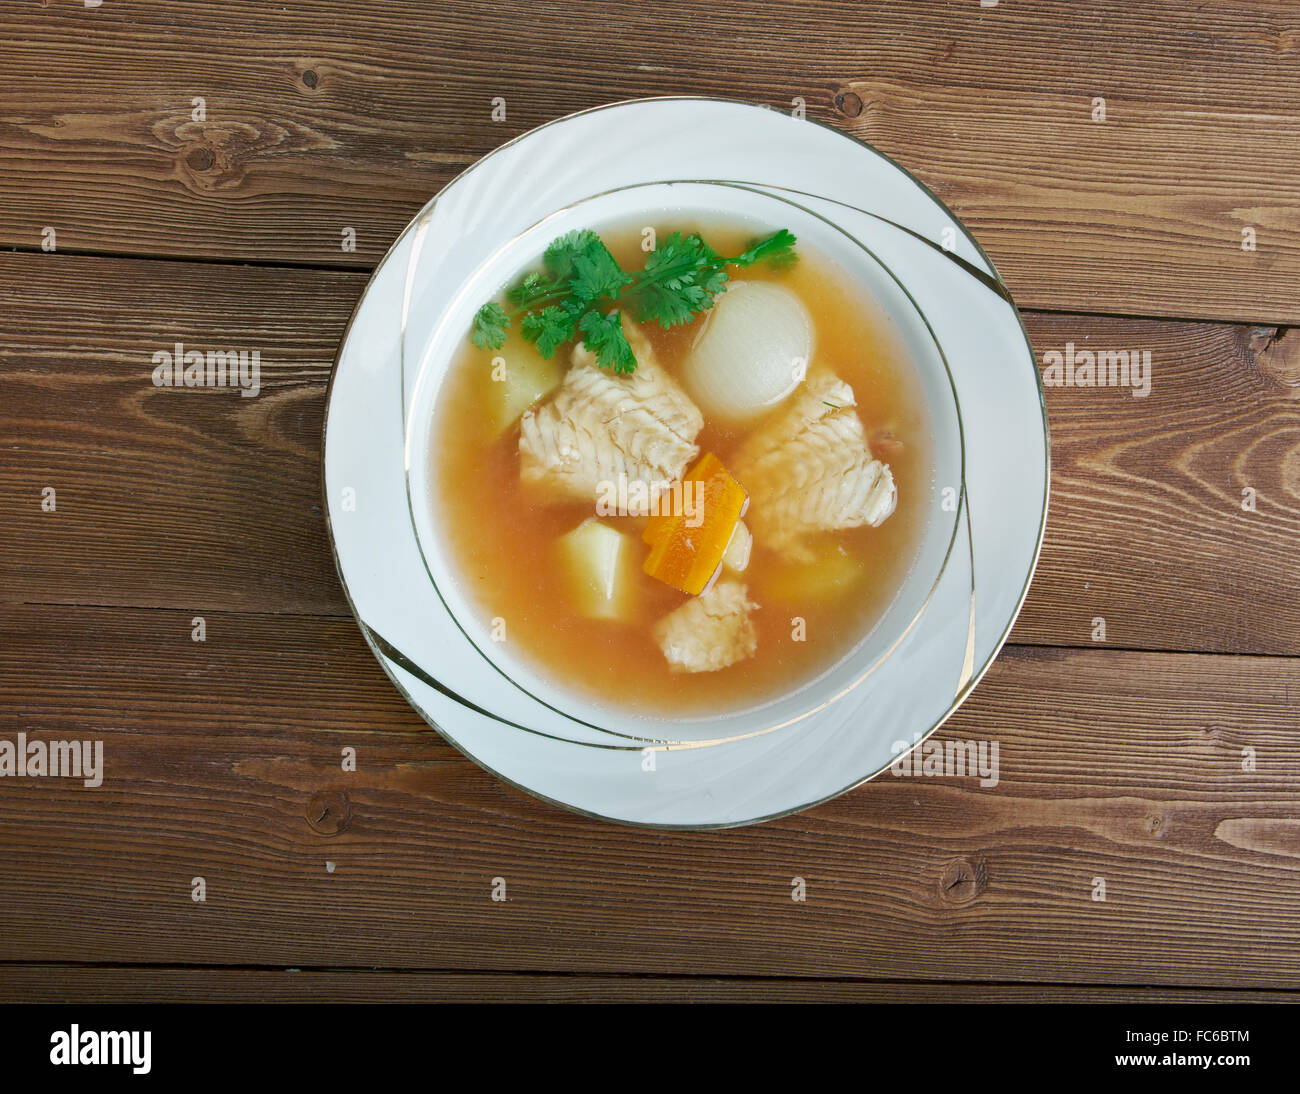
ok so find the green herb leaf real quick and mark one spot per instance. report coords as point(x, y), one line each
point(562, 252)
point(490, 323)
point(682, 278)
point(550, 328)
point(596, 275)
point(603, 335)
point(777, 249)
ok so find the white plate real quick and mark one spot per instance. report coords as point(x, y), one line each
point(949, 307)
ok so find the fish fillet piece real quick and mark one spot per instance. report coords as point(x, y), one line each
point(710, 631)
point(809, 469)
point(602, 427)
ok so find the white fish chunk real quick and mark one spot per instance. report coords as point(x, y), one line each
point(601, 428)
point(809, 469)
point(710, 631)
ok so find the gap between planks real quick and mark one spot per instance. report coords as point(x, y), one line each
point(235, 613)
point(367, 269)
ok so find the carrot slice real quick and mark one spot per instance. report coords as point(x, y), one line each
point(687, 544)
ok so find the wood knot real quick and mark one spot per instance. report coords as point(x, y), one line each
point(329, 812)
point(310, 79)
point(200, 158)
point(1276, 353)
point(848, 104)
point(213, 156)
point(963, 880)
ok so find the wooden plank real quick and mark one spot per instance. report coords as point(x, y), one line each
point(221, 755)
point(1149, 527)
point(173, 496)
point(1162, 209)
point(204, 500)
point(127, 984)
point(349, 115)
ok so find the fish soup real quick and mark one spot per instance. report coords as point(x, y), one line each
point(711, 528)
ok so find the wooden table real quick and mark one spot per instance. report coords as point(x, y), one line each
point(194, 173)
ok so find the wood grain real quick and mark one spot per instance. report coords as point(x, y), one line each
point(128, 984)
point(1174, 516)
point(223, 757)
point(173, 496)
point(202, 500)
point(344, 114)
point(1169, 776)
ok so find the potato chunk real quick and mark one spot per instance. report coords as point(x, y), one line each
point(831, 573)
point(600, 565)
point(519, 376)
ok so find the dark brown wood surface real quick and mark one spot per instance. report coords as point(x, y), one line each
point(1164, 761)
point(218, 778)
point(346, 113)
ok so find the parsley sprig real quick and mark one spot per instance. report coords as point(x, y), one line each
point(574, 296)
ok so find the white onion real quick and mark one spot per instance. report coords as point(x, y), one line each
point(752, 351)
